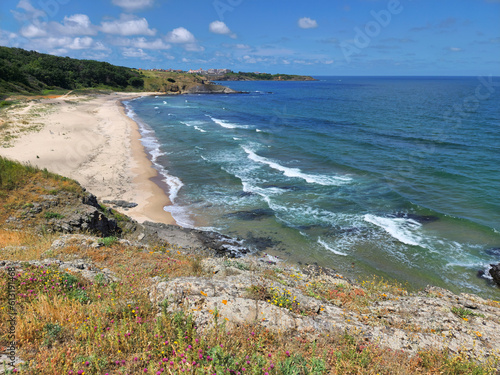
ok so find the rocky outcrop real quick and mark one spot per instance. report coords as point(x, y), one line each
point(85, 219)
point(68, 213)
point(210, 243)
point(495, 273)
point(120, 203)
point(210, 88)
point(77, 266)
point(409, 323)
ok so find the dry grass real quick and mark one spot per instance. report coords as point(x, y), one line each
point(113, 328)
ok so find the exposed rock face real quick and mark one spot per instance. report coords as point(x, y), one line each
point(212, 242)
point(408, 323)
point(495, 273)
point(86, 219)
point(79, 266)
point(68, 213)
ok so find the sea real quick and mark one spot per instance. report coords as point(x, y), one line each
point(393, 177)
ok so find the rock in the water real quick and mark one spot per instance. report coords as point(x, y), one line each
point(211, 89)
point(494, 251)
point(121, 203)
point(422, 219)
point(257, 214)
point(495, 272)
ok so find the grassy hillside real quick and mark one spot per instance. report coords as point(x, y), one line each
point(170, 81)
point(29, 72)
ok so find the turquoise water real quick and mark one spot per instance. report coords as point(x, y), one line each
point(397, 177)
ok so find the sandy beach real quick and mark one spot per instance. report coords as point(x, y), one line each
point(89, 139)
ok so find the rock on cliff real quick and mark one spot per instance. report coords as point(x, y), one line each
point(495, 273)
point(210, 88)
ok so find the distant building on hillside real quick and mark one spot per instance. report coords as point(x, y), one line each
point(210, 71)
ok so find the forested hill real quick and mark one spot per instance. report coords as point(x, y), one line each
point(26, 72)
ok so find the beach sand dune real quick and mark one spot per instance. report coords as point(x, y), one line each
point(89, 139)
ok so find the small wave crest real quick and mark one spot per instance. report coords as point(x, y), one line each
point(200, 129)
point(328, 247)
point(296, 172)
point(402, 229)
point(226, 124)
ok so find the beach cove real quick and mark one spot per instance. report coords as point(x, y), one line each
point(90, 139)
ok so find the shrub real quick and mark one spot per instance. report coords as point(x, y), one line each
point(53, 215)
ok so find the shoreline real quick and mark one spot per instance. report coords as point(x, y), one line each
point(146, 175)
point(92, 140)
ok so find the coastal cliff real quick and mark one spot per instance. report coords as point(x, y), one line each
point(242, 76)
point(142, 297)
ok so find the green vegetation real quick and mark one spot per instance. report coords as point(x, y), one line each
point(108, 241)
point(53, 215)
point(29, 72)
point(14, 175)
point(170, 81)
point(464, 313)
point(242, 76)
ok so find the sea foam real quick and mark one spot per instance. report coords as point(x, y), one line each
point(227, 124)
point(296, 172)
point(404, 230)
point(328, 247)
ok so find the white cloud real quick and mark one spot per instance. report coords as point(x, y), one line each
point(33, 31)
point(328, 62)
point(242, 46)
point(183, 36)
point(302, 62)
point(150, 44)
point(140, 42)
point(81, 43)
point(193, 47)
point(90, 54)
point(219, 27)
point(55, 44)
point(30, 12)
point(307, 23)
point(132, 5)
point(77, 24)
point(127, 25)
point(7, 38)
point(99, 46)
point(136, 53)
point(180, 35)
point(454, 49)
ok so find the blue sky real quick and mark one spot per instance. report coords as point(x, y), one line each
point(317, 37)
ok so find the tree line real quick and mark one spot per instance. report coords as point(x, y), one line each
point(29, 72)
